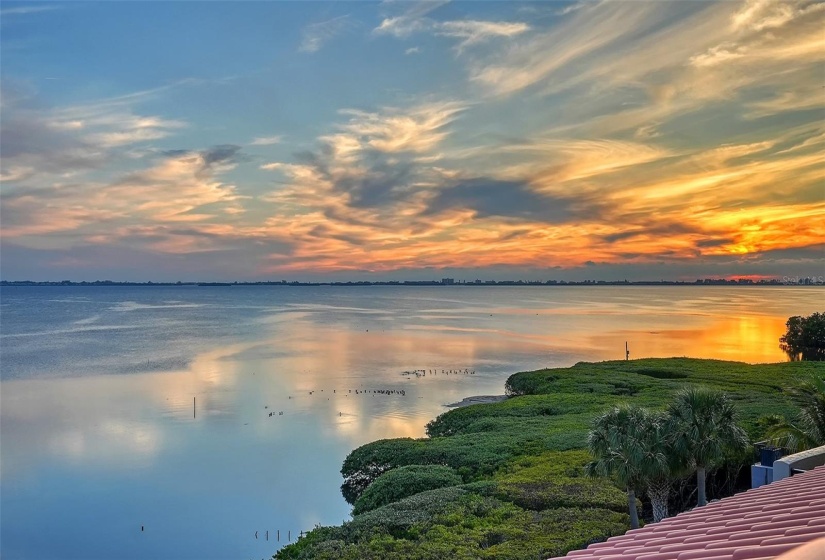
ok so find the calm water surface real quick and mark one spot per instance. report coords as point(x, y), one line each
point(99, 437)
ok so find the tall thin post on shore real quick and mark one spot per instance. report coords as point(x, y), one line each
point(626, 351)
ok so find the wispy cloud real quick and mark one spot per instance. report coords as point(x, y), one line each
point(410, 20)
point(23, 10)
point(758, 15)
point(416, 130)
point(63, 140)
point(266, 140)
point(180, 187)
point(472, 32)
point(572, 7)
point(316, 35)
point(468, 31)
point(588, 31)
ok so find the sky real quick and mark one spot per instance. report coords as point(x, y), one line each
point(317, 141)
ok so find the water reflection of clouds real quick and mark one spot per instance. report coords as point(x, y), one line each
point(338, 309)
point(355, 422)
point(125, 306)
point(116, 420)
point(123, 419)
point(76, 421)
point(81, 329)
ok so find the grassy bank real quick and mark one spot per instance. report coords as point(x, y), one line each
point(514, 486)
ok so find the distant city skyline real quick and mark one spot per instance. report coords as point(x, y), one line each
point(783, 281)
point(362, 141)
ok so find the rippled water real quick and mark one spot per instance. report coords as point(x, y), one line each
point(134, 407)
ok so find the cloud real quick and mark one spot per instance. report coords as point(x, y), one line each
point(469, 32)
point(719, 54)
point(392, 186)
point(589, 30)
point(410, 21)
point(758, 15)
point(183, 186)
point(375, 190)
point(714, 242)
point(412, 50)
point(472, 32)
point(393, 130)
point(570, 8)
point(134, 130)
point(702, 56)
point(573, 140)
point(149, 253)
point(807, 97)
point(218, 154)
point(59, 141)
point(24, 10)
point(316, 35)
point(650, 231)
point(487, 197)
point(266, 140)
point(366, 186)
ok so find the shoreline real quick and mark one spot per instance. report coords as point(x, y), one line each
point(478, 399)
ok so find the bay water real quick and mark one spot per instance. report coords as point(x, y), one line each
point(177, 422)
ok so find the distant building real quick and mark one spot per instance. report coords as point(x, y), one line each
point(448, 281)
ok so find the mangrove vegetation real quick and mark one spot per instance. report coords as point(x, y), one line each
point(510, 480)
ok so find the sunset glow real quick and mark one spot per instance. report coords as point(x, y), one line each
point(409, 140)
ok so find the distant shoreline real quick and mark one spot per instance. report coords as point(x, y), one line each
point(427, 283)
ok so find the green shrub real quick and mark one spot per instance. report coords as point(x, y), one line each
point(457, 524)
point(661, 373)
point(470, 455)
point(368, 462)
point(400, 518)
point(554, 480)
point(466, 419)
point(402, 482)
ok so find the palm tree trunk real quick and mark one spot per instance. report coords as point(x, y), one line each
point(631, 506)
point(659, 493)
point(700, 486)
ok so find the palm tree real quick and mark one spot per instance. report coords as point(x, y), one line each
point(660, 479)
point(703, 422)
point(809, 429)
point(623, 442)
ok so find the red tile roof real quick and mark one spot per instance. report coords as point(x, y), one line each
point(761, 523)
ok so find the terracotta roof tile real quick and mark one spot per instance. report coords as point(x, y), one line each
point(757, 524)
